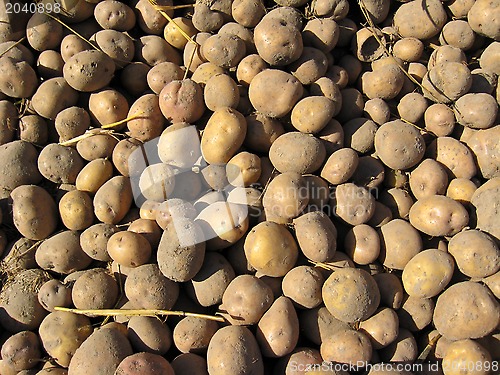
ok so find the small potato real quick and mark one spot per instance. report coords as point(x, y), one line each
point(95, 289)
point(382, 327)
point(446, 82)
point(362, 244)
point(53, 96)
point(303, 355)
point(33, 129)
point(94, 175)
point(302, 284)
point(332, 136)
point(461, 190)
point(489, 57)
point(94, 240)
point(248, 13)
point(221, 91)
point(162, 74)
point(391, 289)
point(476, 253)
point(399, 242)
point(359, 134)
point(351, 294)
point(43, 32)
point(310, 66)
point(192, 335)
point(316, 235)
point(173, 142)
point(429, 178)
point(262, 131)
point(243, 169)
point(19, 166)
point(107, 107)
point(205, 19)
point(34, 212)
point(412, 107)
point(71, 122)
point(439, 119)
point(297, 152)
point(205, 71)
point(370, 172)
point(340, 166)
point(403, 349)
point(445, 54)
point(428, 273)
point(417, 71)
point(76, 210)
point(420, 20)
point(285, 89)
point(97, 146)
point(182, 101)
point(482, 143)
point(22, 350)
point(223, 135)
point(19, 80)
point(466, 356)
point(399, 145)
point(438, 216)
point(149, 334)
point(181, 250)
point(101, 352)
point(60, 164)
point(278, 329)
point(415, 313)
point(254, 297)
point(247, 36)
point(225, 51)
point(98, 67)
point(477, 111)
point(117, 45)
point(311, 114)
point(353, 204)
point(377, 110)
point(286, 196)
point(149, 19)
point(466, 310)
point(129, 249)
point(321, 33)
point(113, 200)
point(61, 333)
point(485, 200)
point(317, 324)
point(460, 8)
point(241, 352)
point(347, 346)
point(54, 293)
point(71, 44)
point(271, 249)
point(172, 34)
point(249, 67)
point(408, 49)
point(148, 363)
point(114, 15)
point(153, 50)
point(62, 253)
point(157, 182)
point(384, 83)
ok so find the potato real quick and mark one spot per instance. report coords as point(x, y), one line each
point(299, 360)
point(466, 310)
point(317, 324)
point(382, 327)
point(19, 306)
point(182, 101)
point(369, 173)
point(248, 13)
point(33, 129)
point(224, 50)
point(243, 169)
point(114, 15)
point(446, 82)
point(351, 294)
point(391, 289)
point(428, 178)
point(43, 32)
point(189, 363)
point(53, 96)
point(262, 131)
point(439, 119)
point(287, 156)
point(286, 196)
point(455, 157)
point(71, 122)
point(285, 89)
point(98, 67)
point(139, 292)
point(134, 78)
point(353, 204)
point(54, 293)
point(149, 334)
point(347, 346)
point(271, 249)
point(62, 253)
point(420, 20)
point(221, 91)
point(415, 313)
point(223, 135)
point(240, 356)
point(302, 284)
point(76, 210)
point(428, 273)
point(408, 49)
point(181, 250)
point(71, 44)
point(156, 182)
point(94, 175)
point(94, 241)
point(359, 134)
point(149, 19)
point(399, 145)
point(438, 216)
point(193, 334)
point(95, 289)
point(483, 18)
point(34, 212)
point(445, 54)
point(8, 121)
point(205, 19)
point(107, 106)
point(477, 111)
point(476, 253)
point(362, 244)
point(321, 33)
point(485, 199)
point(466, 356)
point(316, 236)
point(19, 165)
point(399, 242)
point(146, 363)
point(17, 52)
point(245, 300)
point(129, 249)
point(460, 8)
point(384, 83)
point(488, 58)
point(457, 33)
point(100, 353)
point(60, 164)
point(461, 190)
point(412, 107)
point(311, 114)
point(20, 80)
point(172, 34)
point(113, 200)
point(22, 350)
point(403, 349)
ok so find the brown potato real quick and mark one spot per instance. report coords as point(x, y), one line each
point(33, 129)
point(382, 327)
point(22, 350)
point(113, 200)
point(98, 66)
point(359, 134)
point(479, 19)
point(192, 335)
point(321, 33)
point(53, 96)
point(76, 210)
point(262, 131)
point(71, 122)
point(316, 235)
point(362, 244)
point(94, 240)
point(403, 349)
point(347, 346)
point(172, 34)
point(19, 166)
point(485, 199)
point(182, 101)
point(302, 284)
point(353, 204)
point(415, 313)
point(147, 362)
point(477, 111)
point(446, 82)
point(428, 178)
point(465, 354)
point(408, 49)
point(20, 79)
point(54, 293)
point(43, 32)
point(420, 21)
point(60, 164)
point(399, 242)
point(94, 175)
point(149, 334)
point(385, 83)
point(129, 249)
point(312, 114)
point(115, 15)
point(95, 289)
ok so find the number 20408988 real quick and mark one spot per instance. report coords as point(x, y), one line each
point(32, 7)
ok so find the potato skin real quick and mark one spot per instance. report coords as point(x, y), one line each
point(20, 80)
point(399, 242)
point(420, 19)
point(76, 210)
point(21, 350)
point(182, 101)
point(438, 216)
point(98, 66)
point(144, 363)
point(113, 200)
point(233, 350)
point(114, 15)
point(466, 310)
point(19, 166)
point(53, 96)
point(316, 235)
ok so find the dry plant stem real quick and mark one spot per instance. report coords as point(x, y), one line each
point(117, 123)
point(118, 312)
point(87, 134)
point(425, 353)
point(326, 266)
point(12, 46)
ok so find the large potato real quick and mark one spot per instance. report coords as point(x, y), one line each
point(21, 351)
point(52, 96)
point(438, 215)
point(19, 165)
point(420, 19)
point(89, 70)
point(182, 101)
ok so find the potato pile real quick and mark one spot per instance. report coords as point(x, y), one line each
point(314, 183)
